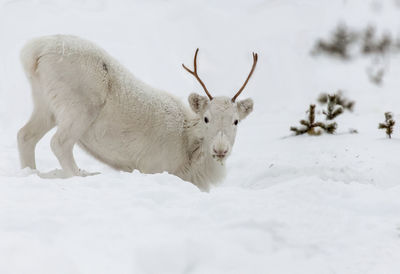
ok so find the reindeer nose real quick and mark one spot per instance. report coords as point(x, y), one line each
point(220, 153)
point(220, 147)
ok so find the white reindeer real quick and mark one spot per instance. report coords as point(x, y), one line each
point(98, 104)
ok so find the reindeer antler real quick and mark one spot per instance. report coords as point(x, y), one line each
point(194, 73)
point(255, 59)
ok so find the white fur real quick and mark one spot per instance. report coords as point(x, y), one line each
point(98, 104)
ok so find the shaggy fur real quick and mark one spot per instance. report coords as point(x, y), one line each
point(96, 103)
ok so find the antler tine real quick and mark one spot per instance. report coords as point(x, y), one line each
point(255, 59)
point(194, 73)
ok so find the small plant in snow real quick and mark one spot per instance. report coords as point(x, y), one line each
point(311, 127)
point(363, 43)
point(376, 70)
point(375, 74)
point(372, 45)
point(339, 43)
point(333, 110)
point(388, 124)
point(345, 103)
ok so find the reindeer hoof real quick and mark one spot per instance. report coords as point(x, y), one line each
point(54, 174)
point(62, 174)
point(84, 173)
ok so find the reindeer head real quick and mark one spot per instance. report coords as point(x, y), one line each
point(219, 116)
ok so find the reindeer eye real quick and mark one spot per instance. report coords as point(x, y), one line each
point(236, 122)
point(206, 119)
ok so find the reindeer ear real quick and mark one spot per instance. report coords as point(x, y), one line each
point(244, 107)
point(197, 102)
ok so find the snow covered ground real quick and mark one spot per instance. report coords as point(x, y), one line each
point(326, 204)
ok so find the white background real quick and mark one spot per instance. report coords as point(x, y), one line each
point(327, 204)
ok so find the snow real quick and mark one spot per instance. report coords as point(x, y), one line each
point(326, 204)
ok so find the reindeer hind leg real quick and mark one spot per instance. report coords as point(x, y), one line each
point(40, 122)
point(71, 126)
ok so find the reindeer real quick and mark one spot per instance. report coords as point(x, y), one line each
point(98, 104)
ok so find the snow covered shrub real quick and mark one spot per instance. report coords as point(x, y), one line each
point(388, 124)
point(311, 127)
point(375, 74)
point(366, 43)
point(338, 44)
point(333, 110)
point(378, 48)
point(342, 101)
point(372, 45)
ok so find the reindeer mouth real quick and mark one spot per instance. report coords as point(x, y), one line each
point(219, 159)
